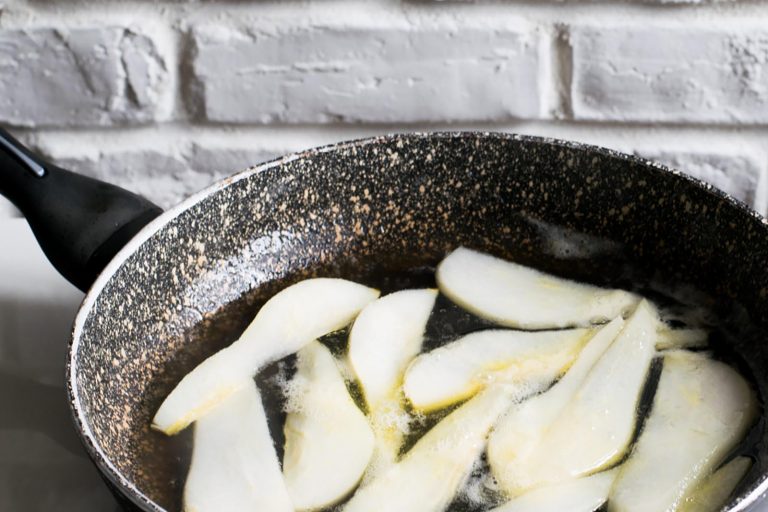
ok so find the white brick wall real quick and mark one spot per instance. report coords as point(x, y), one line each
point(679, 74)
point(57, 76)
point(165, 97)
point(363, 73)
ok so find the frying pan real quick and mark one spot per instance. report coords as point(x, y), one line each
point(168, 289)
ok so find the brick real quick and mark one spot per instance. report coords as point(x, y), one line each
point(670, 74)
point(222, 162)
point(162, 178)
point(689, 2)
point(318, 74)
point(79, 77)
point(742, 177)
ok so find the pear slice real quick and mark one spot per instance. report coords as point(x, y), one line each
point(517, 296)
point(520, 430)
point(328, 442)
point(701, 410)
point(234, 465)
point(431, 473)
point(384, 339)
point(288, 321)
point(713, 493)
point(670, 339)
point(601, 415)
point(585, 494)
point(458, 370)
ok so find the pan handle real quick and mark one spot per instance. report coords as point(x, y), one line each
point(80, 222)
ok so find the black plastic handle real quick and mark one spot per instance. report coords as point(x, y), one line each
point(80, 222)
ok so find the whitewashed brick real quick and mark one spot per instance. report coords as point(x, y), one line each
point(354, 74)
point(222, 162)
point(76, 77)
point(670, 74)
point(738, 175)
point(691, 2)
point(162, 178)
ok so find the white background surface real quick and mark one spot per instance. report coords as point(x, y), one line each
point(43, 466)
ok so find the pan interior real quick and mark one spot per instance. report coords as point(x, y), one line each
point(384, 211)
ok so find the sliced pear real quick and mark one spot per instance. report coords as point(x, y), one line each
point(384, 339)
point(328, 442)
point(458, 370)
point(431, 473)
point(517, 296)
point(713, 493)
point(600, 414)
point(288, 321)
point(603, 413)
point(585, 494)
point(520, 430)
point(234, 465)
point(670, 339)
point(701, 410)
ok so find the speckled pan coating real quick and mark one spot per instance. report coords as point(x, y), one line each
point(192, 280)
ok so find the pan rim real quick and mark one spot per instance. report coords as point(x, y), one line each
point(126, 487)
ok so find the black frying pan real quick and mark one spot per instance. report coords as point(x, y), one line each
point(188, 282)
